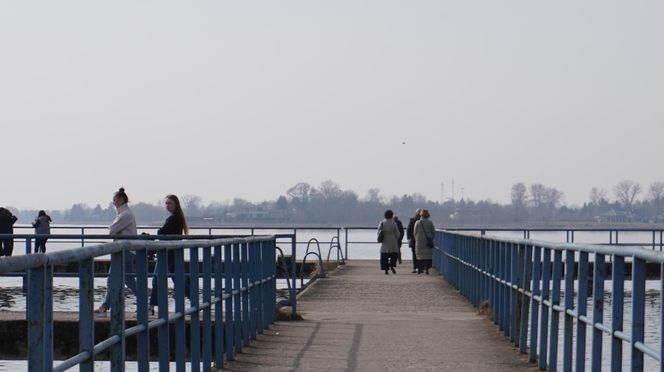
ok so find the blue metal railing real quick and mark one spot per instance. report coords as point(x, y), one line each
point(238, 301)
point(521, 280)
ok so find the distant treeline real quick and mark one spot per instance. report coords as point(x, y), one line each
point(328, 203)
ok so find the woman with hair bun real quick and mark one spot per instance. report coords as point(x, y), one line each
point(175, 224)
point(124, 224)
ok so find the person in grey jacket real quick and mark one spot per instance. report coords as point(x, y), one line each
point(42, 226)
point(423, 231)
point(124, 224)
point(388, 236)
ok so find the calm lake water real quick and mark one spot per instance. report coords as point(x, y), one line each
point(361, 245)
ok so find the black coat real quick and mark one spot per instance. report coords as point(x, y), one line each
point(411, 230)
point(7, 223)
point(174, 225)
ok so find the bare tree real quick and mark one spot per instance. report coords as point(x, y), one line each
point(192, 204)
point(519, 196)
point(538, 195)
point(626, 193)
point(300, 193)
point(373, 195)
point(597, 196)
point(657, 193)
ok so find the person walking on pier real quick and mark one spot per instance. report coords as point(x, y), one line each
point(400, 240)
point(424, 231)
point(175, 224)
point(42, 226)
point(7, 220)
point(124, 224)
point(411, 238)
point(388, 236)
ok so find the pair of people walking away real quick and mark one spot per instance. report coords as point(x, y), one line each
point(388, 236)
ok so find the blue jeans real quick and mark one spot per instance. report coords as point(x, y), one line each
point(129, 279)
point(154, 294)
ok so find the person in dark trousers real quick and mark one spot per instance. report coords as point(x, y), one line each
point(42, 226)
point(175, 224)
point(411, 237)
point(401, 234)
point(7, 220)
point(388, 236)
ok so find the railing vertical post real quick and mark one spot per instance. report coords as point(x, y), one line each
point(222, 300)
point(638, 310)
point(525, 304)
point(617, 311)
point(194, 322)
point(495, 283)
point(162, 308)
point(555, 315)
point(514, 279)
point(346, 241)
point(569, 305)
point(260, 272)
point(544, 320)
point(207, 312)
point(244, 285)
point(180, 327)
point(48, 317)
point(86, 322)
point(116, 291)
point(507, 290)
point(35, 318)
point(661, 318)
point(237, 298)
point(229, 325)
point(582, 307)
point(143, 338)
point(534, 309)
point(599, 273)
point(292, 296)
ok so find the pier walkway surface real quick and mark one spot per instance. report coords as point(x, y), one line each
point(359, 319)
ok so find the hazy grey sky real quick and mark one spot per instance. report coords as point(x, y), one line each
point(245, 99)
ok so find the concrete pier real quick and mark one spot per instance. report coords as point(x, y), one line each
point(359, 319)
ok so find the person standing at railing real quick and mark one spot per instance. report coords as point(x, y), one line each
point(7, 220)
point(42, 226)
point(424, 232)
point(124, 224)
point(388, 236)
point(175, 224)
point(411, 238)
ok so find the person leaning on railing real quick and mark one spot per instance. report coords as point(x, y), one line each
point(124, 224)
point(42, 226)
point(7, 220)
point(175, 224)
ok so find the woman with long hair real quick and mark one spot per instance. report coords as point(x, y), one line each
point(175, 224)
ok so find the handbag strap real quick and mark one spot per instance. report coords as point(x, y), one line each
point(425, 230)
